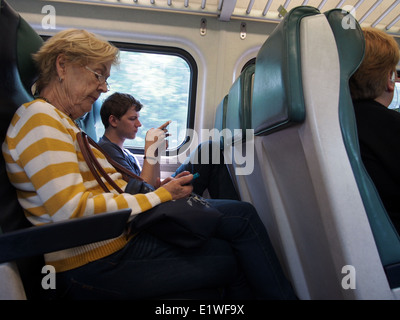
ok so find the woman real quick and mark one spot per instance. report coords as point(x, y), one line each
point(372, 87)
point(53, 183)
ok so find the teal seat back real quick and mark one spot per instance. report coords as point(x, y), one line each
point(386, 237)
point(238, 109)
point(279, 103)
point(220, 120)
point(17, 75)
point(90, 120)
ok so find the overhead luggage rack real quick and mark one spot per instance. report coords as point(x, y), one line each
point(381, 14)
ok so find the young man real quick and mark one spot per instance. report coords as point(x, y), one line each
point(372, 87)
point(120, 117)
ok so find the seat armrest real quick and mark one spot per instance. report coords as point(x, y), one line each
point(38, 240)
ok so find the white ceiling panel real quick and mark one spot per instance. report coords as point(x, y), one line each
point(382, 14)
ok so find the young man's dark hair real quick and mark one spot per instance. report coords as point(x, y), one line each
point(117, 105)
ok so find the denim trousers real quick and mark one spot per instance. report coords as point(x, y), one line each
point(238, 262)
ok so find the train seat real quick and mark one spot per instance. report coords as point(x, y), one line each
point(220, 123)
point(385, 235)
point(238, 135)
point(316, 216)
point(90, 120)
point(22, 247)
point(237, 118)
point(14, 90)
point(232, 118)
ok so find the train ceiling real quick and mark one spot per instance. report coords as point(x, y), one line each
point(382, 14)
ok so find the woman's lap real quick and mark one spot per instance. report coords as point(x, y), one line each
point(148, 267)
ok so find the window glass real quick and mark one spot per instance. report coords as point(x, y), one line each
point(163, 83)
point(395, 104)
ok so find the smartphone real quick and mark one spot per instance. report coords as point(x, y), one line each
point(196, 175)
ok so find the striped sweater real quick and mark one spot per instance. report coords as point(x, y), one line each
point(53, 182)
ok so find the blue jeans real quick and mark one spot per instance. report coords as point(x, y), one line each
point(239, 259)
point(243, 229)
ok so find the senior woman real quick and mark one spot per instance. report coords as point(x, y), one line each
point(54, 183)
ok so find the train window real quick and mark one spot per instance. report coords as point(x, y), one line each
point(395, 104)
point(164, 81)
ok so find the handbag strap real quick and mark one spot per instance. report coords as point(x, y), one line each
point(85, 142)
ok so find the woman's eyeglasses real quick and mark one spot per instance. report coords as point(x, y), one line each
point(100, 77)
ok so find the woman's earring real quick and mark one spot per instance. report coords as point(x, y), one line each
point(60, 79)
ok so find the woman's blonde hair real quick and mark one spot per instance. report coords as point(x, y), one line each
point(381, 57)
point(78, 47)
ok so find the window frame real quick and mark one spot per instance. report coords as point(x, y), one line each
point(248, 63)
point(185, 55)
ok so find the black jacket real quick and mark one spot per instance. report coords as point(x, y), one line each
point(379, 135)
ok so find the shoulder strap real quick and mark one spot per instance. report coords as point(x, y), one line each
point(97, 170)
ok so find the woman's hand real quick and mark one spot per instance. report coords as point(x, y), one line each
point(166, 180)
point(159, 183)
point(179, 187)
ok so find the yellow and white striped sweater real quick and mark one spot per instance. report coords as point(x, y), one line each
point(53, 182)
